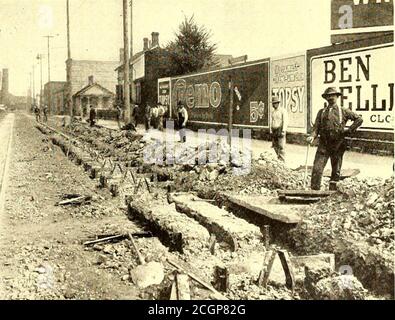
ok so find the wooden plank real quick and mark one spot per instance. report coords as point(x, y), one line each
point(288, 269)
point(183, 289)
point(345, 173)
point(217, 295)
point(306, 193)
point(268, 262)
point(260, 205)
point(173, 293)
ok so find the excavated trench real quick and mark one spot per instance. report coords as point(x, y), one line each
point(180, 238)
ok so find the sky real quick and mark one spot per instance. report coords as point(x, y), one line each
point(257, 28)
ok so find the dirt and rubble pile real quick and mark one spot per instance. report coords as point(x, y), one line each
point(322, 284)
point(263, 177)
point(362, 211)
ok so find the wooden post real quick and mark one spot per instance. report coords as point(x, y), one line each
point(288, 269)
point(230, 124)
point(126, 87)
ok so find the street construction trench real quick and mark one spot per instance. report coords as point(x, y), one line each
point(231, 237)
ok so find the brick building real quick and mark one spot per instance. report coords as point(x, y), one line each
point(51, 89)
point(146, 67)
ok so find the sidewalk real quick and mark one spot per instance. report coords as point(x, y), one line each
point(369, 165)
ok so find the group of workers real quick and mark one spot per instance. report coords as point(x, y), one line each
point(330, 129)
point(38, 111)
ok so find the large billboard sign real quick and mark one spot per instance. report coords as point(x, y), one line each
point(288, 82)
point(353, 14)
point(207, 95)
point(365, 76)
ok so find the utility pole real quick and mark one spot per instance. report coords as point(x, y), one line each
point(68, 97)
point(49, 74)
point(230, 124)
point(34, 90)
point(126, 87)
point(40, 58)
point(133, 88)
point(131, 29)
point(49, 60)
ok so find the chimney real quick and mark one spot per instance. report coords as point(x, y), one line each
point(155, 39)
point(91, 80)
point(4, 83)
point(146, 44)
point(121, 55)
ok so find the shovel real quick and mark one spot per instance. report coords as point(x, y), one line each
point(305, 167)
point(146, 274)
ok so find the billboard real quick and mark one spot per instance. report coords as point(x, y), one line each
point(365, 76)
point(353, 14)
point(288, 82)
point(207, 95)
point(164, 91)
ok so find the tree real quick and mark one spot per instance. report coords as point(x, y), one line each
point(191, 50)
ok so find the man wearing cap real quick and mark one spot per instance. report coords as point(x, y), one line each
point(182, 117)
point(278, 128)
point(330, 128)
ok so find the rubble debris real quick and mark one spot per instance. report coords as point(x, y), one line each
point(216, 294)
point(146, 274)
point(226, 226)
point(324, 284)
point(178, 231)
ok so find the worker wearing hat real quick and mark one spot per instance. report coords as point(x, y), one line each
point(182, 117)
point(330, 128)
point(278, 128)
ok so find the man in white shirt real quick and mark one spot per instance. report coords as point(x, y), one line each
point(278, 128)
point(182, 117)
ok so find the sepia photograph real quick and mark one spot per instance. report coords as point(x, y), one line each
point(212, 151)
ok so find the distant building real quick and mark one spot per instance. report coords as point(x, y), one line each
point(93, 94)
point(79, 70)
point(146, 67)
point(50, 91)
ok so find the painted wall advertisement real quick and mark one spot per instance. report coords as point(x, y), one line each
point(207, 96)
point(164, 92)
point(365, 76)
point(288, 83)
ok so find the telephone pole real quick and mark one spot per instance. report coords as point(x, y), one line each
point(133, 88)
point(68, 95)
point(34, 89)
point(49, 73)
point(131, 29)
point(40, 58)
point(49, 60)
point(126, 87)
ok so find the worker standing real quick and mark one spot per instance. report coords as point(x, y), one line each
point(119, 115)
point(37, 112)
point(92, 116)
point(182, 116)
point(45, 113)
point(147, 117)
point(330, 127)
point(278, 128)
